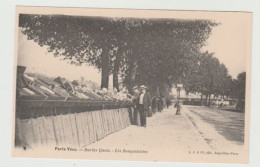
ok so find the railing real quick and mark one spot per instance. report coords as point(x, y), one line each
point(43, 123)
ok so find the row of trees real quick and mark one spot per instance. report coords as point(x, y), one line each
point(141, 51)
point(155, 52)
point(210, 77)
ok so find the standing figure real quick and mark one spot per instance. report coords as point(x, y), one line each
point(136, 116)
point(154, 104)
point(159, 104)
point(144, 104)
point(178, 108)
point(163, 103)
point(168, 102)
point(149, 112)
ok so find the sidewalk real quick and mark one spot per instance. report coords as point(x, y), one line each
point(167, 137)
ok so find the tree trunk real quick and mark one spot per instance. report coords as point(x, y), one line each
point(115, 73)
point(157, 91)
point(115, 80)
point(104, 70)
point(133, 74)
point(206, 103)
point(117, 61)
point(209, 100)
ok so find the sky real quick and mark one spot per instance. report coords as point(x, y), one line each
point(38, 60)
point(229, 42)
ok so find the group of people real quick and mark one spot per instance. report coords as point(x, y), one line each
point(145, 105)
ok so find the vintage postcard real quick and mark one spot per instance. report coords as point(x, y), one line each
point(139, 85)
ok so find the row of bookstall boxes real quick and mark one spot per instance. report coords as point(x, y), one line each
point(30, 87)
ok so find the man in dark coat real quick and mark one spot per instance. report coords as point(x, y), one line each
point(159, 103)
point(136, 116)
point(144, 104)
point(154, 105)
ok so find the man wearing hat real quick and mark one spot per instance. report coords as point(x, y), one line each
point(144, 104)
point(136, 116)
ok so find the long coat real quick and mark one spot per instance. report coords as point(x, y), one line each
point(146, 101)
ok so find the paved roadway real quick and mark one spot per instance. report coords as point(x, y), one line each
point(228, 124)
point(170, 137)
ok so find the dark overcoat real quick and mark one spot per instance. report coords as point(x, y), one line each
point(146, 101)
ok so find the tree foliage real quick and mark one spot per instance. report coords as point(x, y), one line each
point(155, 52)
point(208, 76)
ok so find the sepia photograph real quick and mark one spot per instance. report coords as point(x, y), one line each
point(135, 85)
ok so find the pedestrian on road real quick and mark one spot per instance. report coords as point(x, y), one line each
point(160, 104)
point(178, 108)
point(144, 104)
point(149, 112)
point(154, 104)
point(136, 115)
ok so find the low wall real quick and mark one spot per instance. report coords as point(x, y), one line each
point(66, 126)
